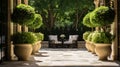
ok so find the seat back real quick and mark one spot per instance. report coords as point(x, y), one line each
point(53, 37)
point(73, 37)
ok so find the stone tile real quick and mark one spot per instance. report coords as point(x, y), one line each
point(62, 57)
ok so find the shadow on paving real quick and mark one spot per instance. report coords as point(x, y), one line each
point(43, 54)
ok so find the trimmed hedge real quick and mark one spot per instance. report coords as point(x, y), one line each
point(24, 38)
point(23, 14)
point(86, 20)
point(86, 34)
point(102, 16)
point(102, 37)
point(40, 36)
point(37, 22)
point(89, 38)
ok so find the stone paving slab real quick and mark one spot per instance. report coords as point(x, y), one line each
point(62, 57)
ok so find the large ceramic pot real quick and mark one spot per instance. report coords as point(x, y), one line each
point(23, 51)
point(103, 51)
point(87, 45)
point(92, 47)
point(38, 46)
point(35, 47)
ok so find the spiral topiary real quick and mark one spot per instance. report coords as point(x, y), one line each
point(40, 36)
point(86, 20)
point(102, 37)
point(37, 22)
point(23, 14)
point(102, 16)
point(86, 34)
point(89, 38)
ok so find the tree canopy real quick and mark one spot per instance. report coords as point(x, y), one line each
point(61, 13)
point(62, 16)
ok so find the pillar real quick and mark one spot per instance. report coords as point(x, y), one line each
point(96, 2)
point(114, 32)
point(18, 26)
point(12, 31)
point(24, 27)
point(8, 29)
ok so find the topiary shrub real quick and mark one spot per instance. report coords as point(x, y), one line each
point(102, 16)
point(24, 38)
point(37, 22)
point(102, 37)
point(40, 36)
point(86, 34)
point(89, 38)
point(23, 14)
point(86, 20)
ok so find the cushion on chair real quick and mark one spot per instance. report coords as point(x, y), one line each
point(72, 39)
point(55, 38)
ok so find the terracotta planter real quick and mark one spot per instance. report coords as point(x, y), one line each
point(34, 46)
point(92, 47)
point(23, 51)
point(87, 45)
point(103, 51)
point(38, 46)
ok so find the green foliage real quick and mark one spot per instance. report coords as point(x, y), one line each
point(23, 14)
point(56, 12)
point(86, 34)
point(24, 38)
point(86, 20)
point(102, 16)
point(40, 36)
point(102, 37)
point(89, 38)
point(37, 22)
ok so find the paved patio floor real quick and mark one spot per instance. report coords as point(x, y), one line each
point(62, 58)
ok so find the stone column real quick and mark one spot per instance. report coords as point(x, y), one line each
point(18, 26)
point(8, 28)
point(25, 28)
point(96, 2)
point(12, 31)
point(114, 32)
point(25, 1)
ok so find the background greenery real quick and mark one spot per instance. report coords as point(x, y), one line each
point(62, 16)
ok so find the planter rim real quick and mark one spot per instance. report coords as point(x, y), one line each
point(21, 44)
point(89, 41)
point(102, 44)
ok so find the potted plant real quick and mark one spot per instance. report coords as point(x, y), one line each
point(86, 21)
point(102, 41)
point(23, 44)
point(91, 44)
point(102, 17)
point(40, 37)
point(34, 45)
point(23, 14)
point(85, 37)
point(37, 44)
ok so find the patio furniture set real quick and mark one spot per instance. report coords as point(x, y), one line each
point(55, 42)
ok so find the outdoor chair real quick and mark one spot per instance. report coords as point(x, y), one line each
point(72, 41)
point(53, 41)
